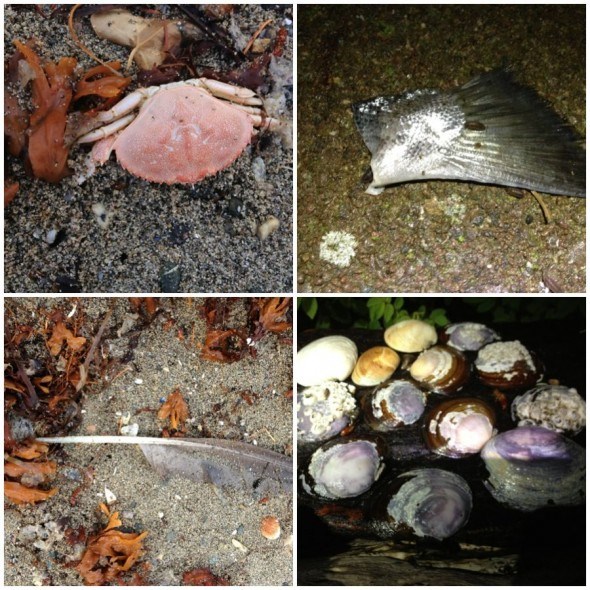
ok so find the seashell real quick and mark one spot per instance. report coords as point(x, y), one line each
point(458, 427)
point(345, 469)
point(468, 336)
point(440, 369)
point(394, 404)
point(410, 336)
point(375, 366)
point(324, 410)
point(507, 365)
point(429, 502)
point(531, 467)
point(331, 358)
point(555, 407)
point(270, 528)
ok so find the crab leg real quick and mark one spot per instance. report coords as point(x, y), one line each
point(235, 94)
point(107, 130)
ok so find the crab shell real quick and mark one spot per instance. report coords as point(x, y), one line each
point(181, 134)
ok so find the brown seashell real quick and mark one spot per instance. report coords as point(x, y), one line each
point(459, 426)
point(410, 336)
point(270, 528)
point(508, 365)
point(441, 369)
point(375, 366)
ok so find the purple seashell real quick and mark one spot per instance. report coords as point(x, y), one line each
point(532, 467)
point(394, 404)
point(469, 335)
point(344, 470)
point(432, 502)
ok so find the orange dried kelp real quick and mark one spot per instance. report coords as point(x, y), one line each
point(203, 577)
point(270, 314)
point(100, 81)
point(28, 474)
point(19, 494)
point(52, 94)
point(224, 346)
point(176, 409)
point(109, 553)
point(16, 122)
point(59, 335)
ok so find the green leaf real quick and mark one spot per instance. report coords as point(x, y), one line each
point(398, 303)
point(388, 314)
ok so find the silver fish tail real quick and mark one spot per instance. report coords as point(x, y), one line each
point(492, 130)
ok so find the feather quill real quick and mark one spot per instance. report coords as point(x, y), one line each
point(206, 460)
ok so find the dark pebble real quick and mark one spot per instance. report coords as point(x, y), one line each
point(170, 276)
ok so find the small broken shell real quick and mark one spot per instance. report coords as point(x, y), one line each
point(331, 358)
point(324, 410)
point(459, 427)
point(507, 365)
point(375, 366)
point(343, 469)
point(440, 369)
point(394, 404)
point(468, 336)
point(556, 407)
point(410, 336)
point(270, 528)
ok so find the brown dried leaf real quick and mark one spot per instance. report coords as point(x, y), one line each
point(19, 494)
point(150, 38)
point(61, 333)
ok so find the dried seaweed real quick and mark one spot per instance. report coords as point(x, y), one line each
point(224, 463)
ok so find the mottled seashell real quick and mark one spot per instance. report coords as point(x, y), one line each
point(396, 403)
point(459, 427)
point(270, 528)
point(331, 358)
point(431, 502)
point(440, 369)
point(556, 407)
point(375, 366)
point(410, 336)
point(344, 469)
point(531, 467)
point(507, 365)
point(324, 410)
point(468, 336)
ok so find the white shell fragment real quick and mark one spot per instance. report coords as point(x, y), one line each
point(556, 407)
point(410, 336)
point(109, 497)
point(331, 358)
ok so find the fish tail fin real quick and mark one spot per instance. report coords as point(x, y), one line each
point(510, 130)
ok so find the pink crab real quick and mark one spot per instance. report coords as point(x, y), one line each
point(183, 131)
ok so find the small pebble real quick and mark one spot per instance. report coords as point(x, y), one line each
point(270, 528)
point(267, 227)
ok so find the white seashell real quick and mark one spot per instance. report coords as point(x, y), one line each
point(109, 497)
point(410, 336)
point(331, 358)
